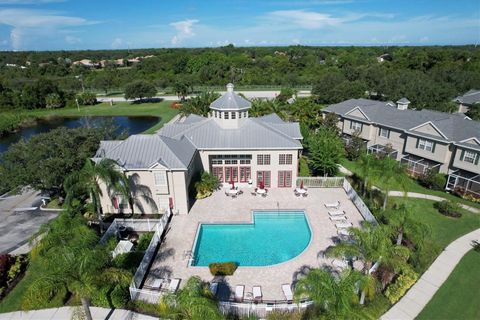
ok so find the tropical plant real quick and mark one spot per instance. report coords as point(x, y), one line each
point(391, 170)
point(366, 169)
point(403, 222)
point(261, 107)
point(181, 89)
point(372, 245)
point(334, 296)
point(206, 185)
point(448, 208)
point(199, 105)
point(405, 280)
point(326, 152)
point(194, 301)
point(90, 179)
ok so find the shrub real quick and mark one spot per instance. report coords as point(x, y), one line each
point(100, 297)
point(120, 296)
point(128, 261)
point(206, 185)
point(17, 267)
point(304, 170)
point(448, 208)
point(434, 181)
point(144, 241)
point(222, 268)
point(87, 99)
point(404, 281)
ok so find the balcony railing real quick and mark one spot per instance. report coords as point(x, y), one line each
point(417, 166)
point(382, 151)
point(464, 182)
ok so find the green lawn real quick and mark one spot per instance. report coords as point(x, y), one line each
point(458, 297)
point(444, 229)
point(412, 186)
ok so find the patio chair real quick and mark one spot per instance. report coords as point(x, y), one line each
point(174, 284)
point(264, 195)
point(253, 194)
point(340, 264)
point(227, 194)
point(240, 192)
point(338, 218)
point(287, 292)
point(334, 205)
point(305, 195)
point(336, 213)
point(295, 192)
point(257, 293)
point(239, 290)
point(344, 225)
point(343, 232)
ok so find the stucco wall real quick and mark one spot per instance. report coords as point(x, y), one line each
point(442, 153)
point(366, 129)
point(457, 163)
point(396, 139)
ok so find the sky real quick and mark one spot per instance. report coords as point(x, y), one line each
point(118, 24)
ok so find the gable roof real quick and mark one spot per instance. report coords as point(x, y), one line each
point(469, 98)
point(454, 126)
point(144, 151)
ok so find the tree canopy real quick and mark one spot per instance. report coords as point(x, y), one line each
point(139, 90)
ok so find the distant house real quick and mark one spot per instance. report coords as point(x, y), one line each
point(85, 62)
point(466, 101)
point(384, 57)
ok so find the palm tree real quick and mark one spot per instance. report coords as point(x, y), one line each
point(199, 104)
point(391, 170)
point(194, 301)
point(373, 246)
point(89, 179)
point(333, 295)
point(403, 223)
point(366, 169)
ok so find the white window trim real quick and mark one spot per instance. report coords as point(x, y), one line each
point(424, 144)
point(356, 126)
point(164, 176)
point(384, 132)
point(470, 155)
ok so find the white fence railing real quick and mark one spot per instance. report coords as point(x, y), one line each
point(136, 292)
point(320, 182)
point(139, 225)
point(358, 202)
point(246, 309)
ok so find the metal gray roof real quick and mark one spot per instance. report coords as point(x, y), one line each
point(254, 133)
point(144, 151)
point(230, 101)
point(469, 98)
point(404, 101)
point(453, 125)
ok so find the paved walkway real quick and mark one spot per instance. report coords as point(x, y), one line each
point(68, 313)
point(422, 292)
point(429, 197)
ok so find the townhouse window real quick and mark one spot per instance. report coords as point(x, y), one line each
point(469, 156)
point(427, 145)
point(239, 115)
point(356, 126)
point(263, 159)
point(234, 115)
point(245, 174)
point(219, 115)
point(285, 159)
point(226, 115)
point(160, 178)
point(383, 132)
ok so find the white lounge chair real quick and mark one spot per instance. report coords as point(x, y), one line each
point(338, 218)
point(157, 283)
point(341, 264)
point(343, 232)
point(239, 293)
point(214, 288)
point(344, 225)
point(336, 213)
point(257, 293)
point(334, 205)
point(287, 292)
point(174, 283)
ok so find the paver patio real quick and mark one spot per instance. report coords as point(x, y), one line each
point(171, 262)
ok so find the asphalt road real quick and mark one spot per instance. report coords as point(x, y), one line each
point(18, 223)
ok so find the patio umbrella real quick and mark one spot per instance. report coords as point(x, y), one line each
point(232, 183)
point(262, 185)
point(301, 184)
point(115, 203)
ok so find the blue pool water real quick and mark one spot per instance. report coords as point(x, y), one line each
point(272, 238)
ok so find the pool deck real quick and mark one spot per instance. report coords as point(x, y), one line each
point(171, 262)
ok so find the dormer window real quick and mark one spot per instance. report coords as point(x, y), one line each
point(226, 115)
point(234, 115)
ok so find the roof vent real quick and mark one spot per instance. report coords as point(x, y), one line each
point(402, 104)
point(230, 87)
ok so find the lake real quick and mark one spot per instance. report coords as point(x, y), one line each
point(132, 125)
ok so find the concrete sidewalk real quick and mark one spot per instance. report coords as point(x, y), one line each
point(422, 292)
point(429, 197)
point(68, 313)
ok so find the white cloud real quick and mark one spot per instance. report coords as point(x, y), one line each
point(184, 30)
point(117, 43)
point(304, 19)
point(33, 25)
point(72, 40)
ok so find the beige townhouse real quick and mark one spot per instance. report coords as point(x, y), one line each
point(230, 144)
point(421, 139)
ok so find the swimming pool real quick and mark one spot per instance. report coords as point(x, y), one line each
point(273, 237)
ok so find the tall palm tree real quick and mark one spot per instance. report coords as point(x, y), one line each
point(89, 179)
point(367, 169)
point(372, 245)
point(391, 170)
point(403, 223)
point(199, 104)
point(334, 296)
point(194, 301)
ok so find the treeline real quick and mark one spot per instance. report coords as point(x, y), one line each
point(428, 76)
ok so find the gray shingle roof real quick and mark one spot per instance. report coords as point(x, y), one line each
point(454, 126)
point(254, 133)
point(143, 151)
point(469, 98)
point(230, 101)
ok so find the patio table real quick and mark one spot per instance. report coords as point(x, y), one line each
point(232, 191)
point(300, 190)
point(261, 191)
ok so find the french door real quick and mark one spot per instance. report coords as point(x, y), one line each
point(263, 177)
point(284, 179)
